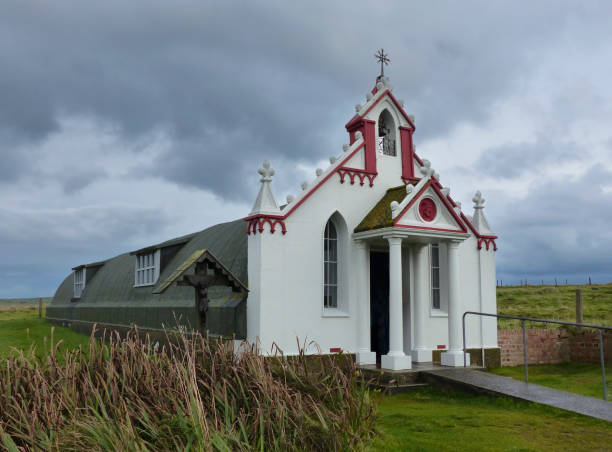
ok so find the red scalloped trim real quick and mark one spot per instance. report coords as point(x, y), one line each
point(487, 241)
point(343, 171)
point(257, 223)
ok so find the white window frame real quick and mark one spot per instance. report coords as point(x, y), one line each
point(79, 282)
point(146, 269)
point(435, 248)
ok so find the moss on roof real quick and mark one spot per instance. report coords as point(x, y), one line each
point(380, 215)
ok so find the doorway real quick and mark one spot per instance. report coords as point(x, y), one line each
point(379, 303)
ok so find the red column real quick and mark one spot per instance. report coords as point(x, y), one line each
point(407, 153)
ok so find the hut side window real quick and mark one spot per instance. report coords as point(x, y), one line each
point(330, 261)
point(435, 275)
point(79, 282)
point(147, 269)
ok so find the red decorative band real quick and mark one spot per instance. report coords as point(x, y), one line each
point(343, 171)
point(487, 241)
point(256, 224)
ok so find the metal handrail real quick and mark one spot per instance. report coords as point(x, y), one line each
point(557, 322)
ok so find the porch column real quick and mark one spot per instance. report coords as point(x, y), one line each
point(364, 353)
point(420, 352)
point(395, 359)
point(454, 355)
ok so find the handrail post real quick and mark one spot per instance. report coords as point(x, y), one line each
point(603, 367)
point(525, 351)
point(463, 326)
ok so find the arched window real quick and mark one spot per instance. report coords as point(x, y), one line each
point(386, 134)
point(330, 261)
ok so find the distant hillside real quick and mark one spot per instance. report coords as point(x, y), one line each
point(555, 303)
point(21, 303)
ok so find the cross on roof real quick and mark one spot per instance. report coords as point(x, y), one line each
point(383, 59)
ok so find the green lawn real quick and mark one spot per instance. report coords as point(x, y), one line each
point(22, 328)
point(432, 420)
point(555, 303)
point(579, 378)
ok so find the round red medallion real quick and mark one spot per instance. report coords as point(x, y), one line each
point(427, 209)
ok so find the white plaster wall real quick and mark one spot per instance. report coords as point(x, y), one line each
point(285, 302)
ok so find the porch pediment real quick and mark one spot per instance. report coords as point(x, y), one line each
point(419, 205)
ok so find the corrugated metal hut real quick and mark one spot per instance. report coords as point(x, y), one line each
point(198, 281)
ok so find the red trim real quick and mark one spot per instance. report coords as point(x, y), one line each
point(299, 203)
point(356, 118)
point(487, 241)
point(458, 231)
point(441, 347)
point(354, 172)
point(335, 350)
point(257, 222)
point(431, 183)
point(407, 152)
point(409, 180)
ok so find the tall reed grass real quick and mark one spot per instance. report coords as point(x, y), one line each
point(125, 394)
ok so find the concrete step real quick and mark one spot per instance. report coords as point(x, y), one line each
point(392, 389)
point(384, 377)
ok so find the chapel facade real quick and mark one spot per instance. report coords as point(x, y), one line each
point(372, 257)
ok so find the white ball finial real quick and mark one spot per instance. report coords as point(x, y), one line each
point(345, 147)
point(369, 97)
point(358, 135)
point(332, 159)
point(357, 108)
point(426, 169)
point(319, 171)
point(304, 185)
point(290, 199)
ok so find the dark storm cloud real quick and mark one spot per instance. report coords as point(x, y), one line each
point(561, 229)
point(235, 83)
point(512, 161)
point(229, 85)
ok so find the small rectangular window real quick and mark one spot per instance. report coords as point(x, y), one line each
point(79, 282)
point(435, 275)
point(147, 269)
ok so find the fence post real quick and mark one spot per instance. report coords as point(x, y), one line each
point(579, 309)
point(40, 308)
point(603, 367)
point(525, 351)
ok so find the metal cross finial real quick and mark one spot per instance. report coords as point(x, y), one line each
point(383, 59)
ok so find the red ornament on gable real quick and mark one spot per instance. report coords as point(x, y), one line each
point(427, 209)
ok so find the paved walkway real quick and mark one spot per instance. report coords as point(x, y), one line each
point(495, 384)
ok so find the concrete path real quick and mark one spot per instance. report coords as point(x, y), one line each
point(506, 386)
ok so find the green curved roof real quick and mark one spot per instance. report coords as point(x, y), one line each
point(110, 296)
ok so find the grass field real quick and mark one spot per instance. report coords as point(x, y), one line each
point(555, 303)
point(20, 329)
point(448, 421)
point(580, 378)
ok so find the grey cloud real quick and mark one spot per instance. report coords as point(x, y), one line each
point(272, 71)
point(561, 229)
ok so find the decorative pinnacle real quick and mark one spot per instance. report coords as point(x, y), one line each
point(266, 172)
point(478, 200)
point(383, 59)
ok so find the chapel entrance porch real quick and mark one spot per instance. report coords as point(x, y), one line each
point(394, 311)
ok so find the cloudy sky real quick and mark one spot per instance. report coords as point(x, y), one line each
point(126, 123)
